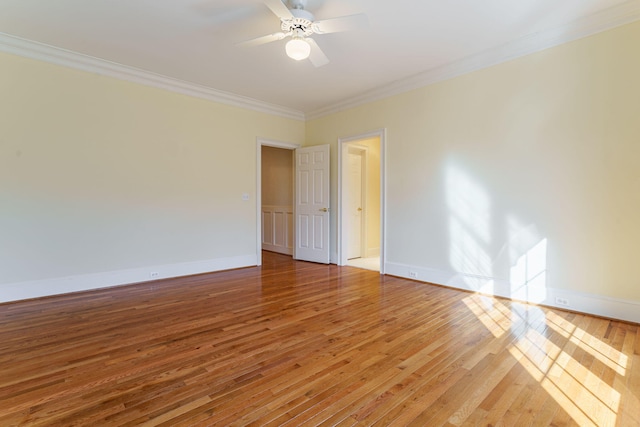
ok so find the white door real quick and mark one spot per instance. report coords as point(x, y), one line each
point(355, 205)
point(312, 204)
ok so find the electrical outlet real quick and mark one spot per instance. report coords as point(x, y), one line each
point(413, 274)
point(154, 274)
point(562, 301)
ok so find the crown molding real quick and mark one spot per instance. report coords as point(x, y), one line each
point(609, 18)
point(54, 55)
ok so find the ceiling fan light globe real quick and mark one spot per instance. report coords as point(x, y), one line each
point(298, 49)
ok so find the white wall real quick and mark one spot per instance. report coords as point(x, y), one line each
point(104, 181)
point(520, 179)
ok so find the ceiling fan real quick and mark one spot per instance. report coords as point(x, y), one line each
point(299, 24)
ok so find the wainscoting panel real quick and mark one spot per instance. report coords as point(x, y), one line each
point(277, 229)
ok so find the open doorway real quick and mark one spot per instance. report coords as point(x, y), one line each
point(310, 210)
point(361, 211)
point(275, 197)
point(277, 200)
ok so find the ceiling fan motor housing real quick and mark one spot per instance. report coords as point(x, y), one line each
point(302, 21)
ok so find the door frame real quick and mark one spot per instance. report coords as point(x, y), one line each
point(261, 142)
point(381, 134)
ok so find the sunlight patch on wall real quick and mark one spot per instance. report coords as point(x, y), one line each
point(528, 277)
point(476, 228)
point(528, 260)
point(469, 229)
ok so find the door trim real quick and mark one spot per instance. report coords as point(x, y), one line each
point(260, 142)
point(381, 134)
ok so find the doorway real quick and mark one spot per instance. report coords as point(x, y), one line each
point(308, 226)
point(361, 201)
point(277, 200)
point(274, 223)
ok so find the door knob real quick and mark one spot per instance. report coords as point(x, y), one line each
point(359, 209)
point(324, 210)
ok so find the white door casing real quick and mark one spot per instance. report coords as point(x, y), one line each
point(342, 215)
point(312, 204)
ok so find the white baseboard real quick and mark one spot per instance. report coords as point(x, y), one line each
point(597, 305)
point(576, 301)
point(62, 285)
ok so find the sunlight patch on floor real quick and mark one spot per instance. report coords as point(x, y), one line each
point(583, 394)
point(611, 357)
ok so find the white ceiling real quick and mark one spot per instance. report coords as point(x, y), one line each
point(196, 41)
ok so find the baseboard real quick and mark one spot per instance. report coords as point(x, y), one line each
point(535, 293)
point(571, 300)
point(63, 285)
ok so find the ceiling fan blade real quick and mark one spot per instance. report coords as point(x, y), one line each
point(279, 8)
point(317, 56)
point(344, 23)
point(264, 39)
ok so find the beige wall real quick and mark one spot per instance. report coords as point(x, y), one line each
point(277, 176)
point(532, 162)
point(100, 175)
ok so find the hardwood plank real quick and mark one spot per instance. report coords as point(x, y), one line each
point(295, 343)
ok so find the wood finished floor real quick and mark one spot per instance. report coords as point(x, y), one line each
point(294, 343)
